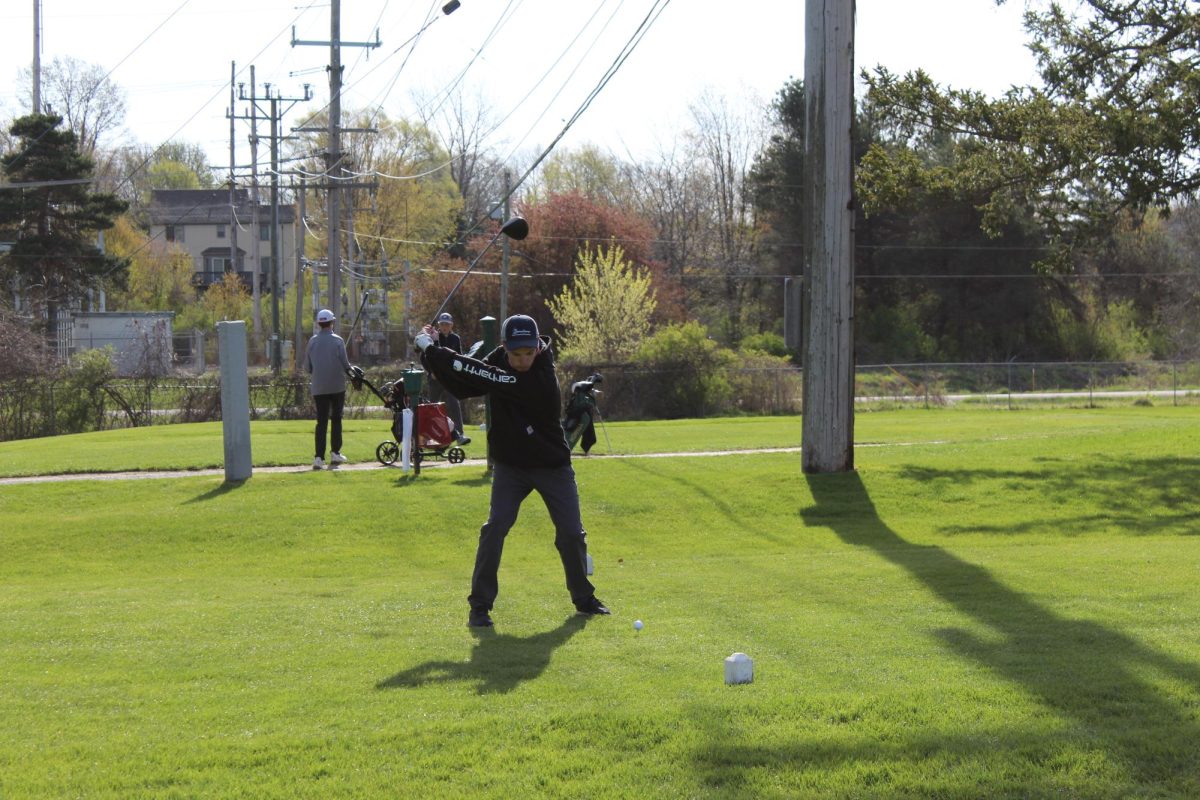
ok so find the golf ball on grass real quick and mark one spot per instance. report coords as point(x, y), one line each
point(637, 624)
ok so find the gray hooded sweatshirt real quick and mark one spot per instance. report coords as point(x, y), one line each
point(326, 361)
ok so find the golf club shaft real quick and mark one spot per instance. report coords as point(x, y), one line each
point(470, 267)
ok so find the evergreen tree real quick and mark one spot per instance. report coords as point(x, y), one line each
point(53, 222)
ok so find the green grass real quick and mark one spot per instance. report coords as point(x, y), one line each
point(994, 605)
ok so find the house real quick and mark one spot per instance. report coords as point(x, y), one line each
point(201, 221)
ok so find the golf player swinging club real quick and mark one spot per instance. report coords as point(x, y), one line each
point(530, 452)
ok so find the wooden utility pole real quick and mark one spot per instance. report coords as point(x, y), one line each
point(827, 443)
point(334, 168)
point(36, 72)
point(301, 345)
point(255, 228)
point(234, 264)
point(334, 164)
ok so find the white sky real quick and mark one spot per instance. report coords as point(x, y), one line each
point(172, 58)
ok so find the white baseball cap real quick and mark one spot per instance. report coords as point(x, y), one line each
point(325, 315)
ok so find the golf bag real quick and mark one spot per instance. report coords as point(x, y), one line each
point(580, 418)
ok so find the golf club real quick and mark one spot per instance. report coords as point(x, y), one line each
point(516, 228)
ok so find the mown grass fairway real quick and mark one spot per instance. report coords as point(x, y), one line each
point(995, 605)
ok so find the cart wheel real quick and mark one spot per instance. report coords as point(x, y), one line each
point(387, 453)
point(456, 455)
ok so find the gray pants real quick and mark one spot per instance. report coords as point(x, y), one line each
point(510, 486)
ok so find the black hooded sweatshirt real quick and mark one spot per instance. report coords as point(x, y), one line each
point(526, 430)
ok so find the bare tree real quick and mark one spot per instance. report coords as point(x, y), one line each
point(673, 194)
point(80, 93)
point(724, 146)
point(463, 126)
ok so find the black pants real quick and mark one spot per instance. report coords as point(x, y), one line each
point(510, 486)
point(329, 407)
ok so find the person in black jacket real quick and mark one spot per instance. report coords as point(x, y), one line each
point(529, 450)
point(446, 337)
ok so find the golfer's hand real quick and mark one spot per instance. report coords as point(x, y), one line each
point(422, 341)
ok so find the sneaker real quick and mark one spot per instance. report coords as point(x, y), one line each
point(338, 458)
point(479, 619)
point(463, 440)
point(318, 463)
point(591, 607)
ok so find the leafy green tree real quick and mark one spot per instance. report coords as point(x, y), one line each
point(228, 299)
point(605, 312)
point(135, 171)
point(586, 170)
point(1115, 126)
point(160, 273)
point(927, 272)
point(54, 257)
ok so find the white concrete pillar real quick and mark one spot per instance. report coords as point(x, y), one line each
point(235, 399)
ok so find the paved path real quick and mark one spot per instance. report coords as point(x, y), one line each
point(373, 465)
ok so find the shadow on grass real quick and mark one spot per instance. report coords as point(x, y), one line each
point(1139, 496)
point(217, 491)
point(718, 495)
point(1109, 690)
point(468, 478)
point(499, 663)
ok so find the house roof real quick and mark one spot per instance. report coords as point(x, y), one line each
point(208, 207)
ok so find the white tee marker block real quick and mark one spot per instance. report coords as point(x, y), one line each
point(739, 669)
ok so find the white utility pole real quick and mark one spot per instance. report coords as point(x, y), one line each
point(827, 443)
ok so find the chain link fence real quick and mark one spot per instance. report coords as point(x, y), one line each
point(39, 407)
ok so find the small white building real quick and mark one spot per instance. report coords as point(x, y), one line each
point(141, 340)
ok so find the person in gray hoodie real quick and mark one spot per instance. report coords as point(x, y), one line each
point(328, 364)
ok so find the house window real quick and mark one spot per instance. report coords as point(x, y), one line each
point(264, 232)
point(220, 231)
point(216, 264)
point(170, 233)
point(174, 233)
point(266, 265)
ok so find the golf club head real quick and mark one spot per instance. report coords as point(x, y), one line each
point(516, 228)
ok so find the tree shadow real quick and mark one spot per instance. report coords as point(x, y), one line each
point(1140, 496)
point(719, 497)
point(1107, 685)
point(499, 662)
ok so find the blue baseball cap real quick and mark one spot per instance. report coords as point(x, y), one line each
point(520, 331)
point(445, 317)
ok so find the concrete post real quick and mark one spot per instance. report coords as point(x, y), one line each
point(235, 399)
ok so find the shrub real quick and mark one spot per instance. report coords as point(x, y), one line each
point(692, 372)
point(79, 396)
point(769, 343)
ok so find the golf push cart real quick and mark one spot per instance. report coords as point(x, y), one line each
point(432, 430)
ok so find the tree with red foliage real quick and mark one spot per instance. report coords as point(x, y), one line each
point(564, 225)
point(540, 266)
